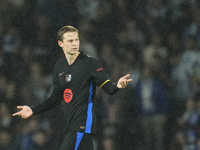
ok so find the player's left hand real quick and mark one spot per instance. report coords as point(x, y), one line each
point(123, 81)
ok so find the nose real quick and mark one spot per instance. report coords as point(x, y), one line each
point(74, 42)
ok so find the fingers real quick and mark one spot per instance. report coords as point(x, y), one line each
point(24, 113)
point(20, 114)
point(129, 80)
point(124, 83)
point(16, 114)
point(126, 76)
point(19, 107)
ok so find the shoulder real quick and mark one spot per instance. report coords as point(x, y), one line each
point(89, 58)
point(59, 63)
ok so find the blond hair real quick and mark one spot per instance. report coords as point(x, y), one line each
point(65, 29)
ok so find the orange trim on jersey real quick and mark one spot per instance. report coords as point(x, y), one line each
point(104, 83)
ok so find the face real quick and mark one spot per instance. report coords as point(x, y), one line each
point(70, 43)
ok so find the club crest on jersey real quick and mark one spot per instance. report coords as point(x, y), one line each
point(68, 77)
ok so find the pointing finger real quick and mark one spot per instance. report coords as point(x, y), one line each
point(19, 107)
point(129, 80)
point(126, 76)
point(16, 114)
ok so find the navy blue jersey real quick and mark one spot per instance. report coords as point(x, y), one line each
point(75, 85)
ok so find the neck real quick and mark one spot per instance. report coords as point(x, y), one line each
point(71, 57)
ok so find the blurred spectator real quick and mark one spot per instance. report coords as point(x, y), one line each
point(190, 56)
point(187, 67)
point(11, 94)
point(175, 50)
point(134, 34)
point(87, 8)
point(122, 12)
point(131, 65)
point(123, 43)
point(107, 53)
point(183, 15)
point(87, 47)
point(43, 41)
point(24, 140)
point(156, 47)
point(2, 63)
point(24, 21)
point(6, 140)
point(198, 143)
point(179, 141)
point(62, 13)
point(157, 9)
point(173, 43)
point(17, 3)
point(38, 81)
point(109, 143)
point(42, 141)
point(104, 25)
point(25, 58)
point(3, 82)
point(147, 26)
point(7, 9)
point(194, 86)
point(1, 30)
point(113, 114)
point(193, 29)
point(27, 96)
point(152, 103)
point(189, 122)
point(6, 119)
point(11, 41)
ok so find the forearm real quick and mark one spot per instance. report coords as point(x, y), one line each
point(110, 88)
point(48, 104)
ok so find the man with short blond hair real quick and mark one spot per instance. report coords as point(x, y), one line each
point(74, 82)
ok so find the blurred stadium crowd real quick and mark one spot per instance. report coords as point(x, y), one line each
point(156, 41)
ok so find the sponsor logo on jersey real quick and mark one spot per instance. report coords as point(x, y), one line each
point(67, 95)
point(68, 77)
point(99, 69)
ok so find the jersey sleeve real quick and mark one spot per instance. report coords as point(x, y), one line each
point(101, 79)
point(54, 99)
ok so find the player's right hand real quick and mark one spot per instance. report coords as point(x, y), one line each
point(25, 112)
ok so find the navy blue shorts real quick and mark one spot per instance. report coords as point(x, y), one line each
point(77, 141)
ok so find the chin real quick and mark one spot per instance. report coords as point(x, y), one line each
point(73, 52)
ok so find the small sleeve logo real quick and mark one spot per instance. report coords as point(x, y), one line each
point(60, 74)
point(99, 69)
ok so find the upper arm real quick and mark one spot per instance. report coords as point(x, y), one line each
point(101, 79)
point(98, 73)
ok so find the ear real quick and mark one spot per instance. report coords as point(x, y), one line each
point(60, 43)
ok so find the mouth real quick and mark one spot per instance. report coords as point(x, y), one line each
point(74, 49)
